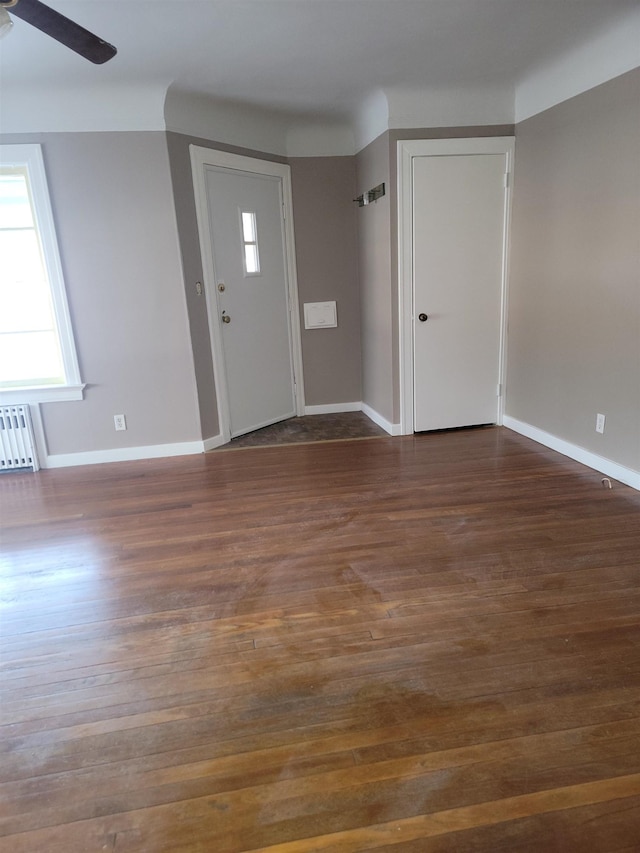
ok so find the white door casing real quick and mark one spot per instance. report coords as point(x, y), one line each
point(233, 357)
point(252, 297)
point(458, 208)
point(456, 273)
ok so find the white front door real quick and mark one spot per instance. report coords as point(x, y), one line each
point(251, 293)
point(458, 262)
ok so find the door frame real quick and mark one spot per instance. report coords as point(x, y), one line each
point(407, 149)
point(201, 158)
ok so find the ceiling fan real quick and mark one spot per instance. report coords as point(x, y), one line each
point(62, 29)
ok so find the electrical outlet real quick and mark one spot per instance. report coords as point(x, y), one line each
point(599, 423)
point(119, 422)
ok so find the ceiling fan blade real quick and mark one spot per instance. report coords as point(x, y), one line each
point(64, 30)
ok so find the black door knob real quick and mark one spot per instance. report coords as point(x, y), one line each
point(423, 318)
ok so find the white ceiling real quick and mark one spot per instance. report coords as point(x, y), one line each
point(311, 59)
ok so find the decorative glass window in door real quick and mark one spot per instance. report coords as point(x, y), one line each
point(250, 257)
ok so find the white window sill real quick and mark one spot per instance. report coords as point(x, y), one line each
point(41, 394)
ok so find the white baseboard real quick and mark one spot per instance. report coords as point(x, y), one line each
point(387, 426)
point(212, 442)
point(332, 408)
point(157, 451)
point(574, 451)
point(122, 454)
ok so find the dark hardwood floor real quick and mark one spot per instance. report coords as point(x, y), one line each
point(426, 644)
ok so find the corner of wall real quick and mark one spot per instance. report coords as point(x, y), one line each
point(607, 55)
point(225, 122)
point(371, 119)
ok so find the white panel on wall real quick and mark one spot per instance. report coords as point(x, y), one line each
point(320, 315)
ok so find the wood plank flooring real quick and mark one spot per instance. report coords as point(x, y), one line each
point(425, 644)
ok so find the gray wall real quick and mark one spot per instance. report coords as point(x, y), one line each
point(180, 165)
point(574, 327)
point(377, 298)
point(115, 220)
point(574, 318)
point(327, 263)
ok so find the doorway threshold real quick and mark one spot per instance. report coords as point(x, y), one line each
point(308, 429)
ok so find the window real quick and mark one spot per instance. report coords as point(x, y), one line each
point(251, 258)
point(37, 353)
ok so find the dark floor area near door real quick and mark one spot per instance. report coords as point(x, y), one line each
point(333, 427)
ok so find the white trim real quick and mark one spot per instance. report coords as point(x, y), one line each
point(208, 272)
point(292, 283)
point(332, 408)
point(574, 451)
point(30, 156)
point(41, 394)
point(122, 454)
point(212, 442)
point(119, 454)
point(504, 295)
point(387, 426)
point(406, 151)
point(201, 158)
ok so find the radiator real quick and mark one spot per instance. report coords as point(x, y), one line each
point(17, 444)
